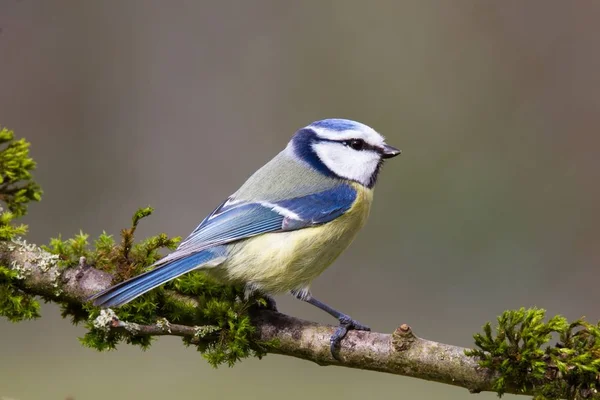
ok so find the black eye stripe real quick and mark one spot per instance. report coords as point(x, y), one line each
point(363, 145)
point(346, 142)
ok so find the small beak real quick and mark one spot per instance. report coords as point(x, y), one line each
point(389, 151)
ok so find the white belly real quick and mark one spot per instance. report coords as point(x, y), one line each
point(283, 261)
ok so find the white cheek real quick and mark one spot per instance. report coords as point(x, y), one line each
point(346, 162)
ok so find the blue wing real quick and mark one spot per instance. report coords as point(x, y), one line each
point(233, 221)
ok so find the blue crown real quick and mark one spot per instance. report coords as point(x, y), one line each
point(339, 125)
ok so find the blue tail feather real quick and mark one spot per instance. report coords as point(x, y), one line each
point(124, 292)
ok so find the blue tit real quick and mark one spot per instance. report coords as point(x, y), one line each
point(286, 224)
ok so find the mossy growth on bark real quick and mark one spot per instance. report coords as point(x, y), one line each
point(17, 190)
point(520, 353)
point(221, 313)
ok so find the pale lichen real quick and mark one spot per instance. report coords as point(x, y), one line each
point(131, 327)
point(22, 271)
point(204, 330)
point(23, 246)
point(164, 324)
point(46, 261)
point(104, 321)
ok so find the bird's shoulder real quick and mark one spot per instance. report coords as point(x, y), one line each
point(283, 195)
point(237, 219)
point(285, 177)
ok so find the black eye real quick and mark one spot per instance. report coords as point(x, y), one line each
point(356, 144)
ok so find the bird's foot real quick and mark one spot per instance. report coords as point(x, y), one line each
point(346, 324)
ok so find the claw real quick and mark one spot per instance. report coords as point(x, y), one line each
point(346, 324)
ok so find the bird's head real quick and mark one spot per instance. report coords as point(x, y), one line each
point(342, 148)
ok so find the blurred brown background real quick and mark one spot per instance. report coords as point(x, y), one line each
point(493, 204)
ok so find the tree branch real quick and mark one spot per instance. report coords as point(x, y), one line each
point(400, 353)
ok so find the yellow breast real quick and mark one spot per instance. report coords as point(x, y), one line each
point(283, 261)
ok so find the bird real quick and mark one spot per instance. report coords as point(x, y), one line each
point(286, 224)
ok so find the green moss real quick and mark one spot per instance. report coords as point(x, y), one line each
point(15, 304)
point(17, 189)
point(8, 230)
point(520, 354)
point(124, 259)
point(225, 309)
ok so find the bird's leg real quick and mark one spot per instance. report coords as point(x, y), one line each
point(346, 323)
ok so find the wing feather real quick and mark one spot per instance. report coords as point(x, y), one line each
point(237, 220)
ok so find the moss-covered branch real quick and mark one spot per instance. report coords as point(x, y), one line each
point(39, 273)
point(401, 353)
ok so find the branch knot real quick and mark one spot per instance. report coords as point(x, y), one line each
point(403, 338)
